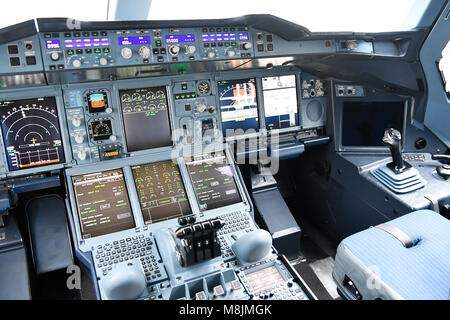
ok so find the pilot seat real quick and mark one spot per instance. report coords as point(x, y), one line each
point(406, 258)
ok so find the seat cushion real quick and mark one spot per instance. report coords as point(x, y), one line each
point(380, 266)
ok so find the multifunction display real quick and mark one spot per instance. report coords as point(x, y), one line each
point(161, 191)
point(280, 102)
point(213, 180)
point(31, 132)
point(264, 279)
point(238, 106)
point(103, 204)
point(146, 118)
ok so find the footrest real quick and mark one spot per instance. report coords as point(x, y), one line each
point(50, 241)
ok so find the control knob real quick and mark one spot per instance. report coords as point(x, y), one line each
point(76, 63)
point(113, 138)
point(211, 54)
point(79, 138)
point(144, 52)
point(190, 49)
point(246, 45)
point(103, 61)
point(81, 155)
point(76, 122)
point(201, 108)
point(231, 53)
point(55, 56)
point(174, 50)
point(126, 53)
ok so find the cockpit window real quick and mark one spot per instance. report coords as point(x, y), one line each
point(444, 68)
point(329, 15)
point(326, 15)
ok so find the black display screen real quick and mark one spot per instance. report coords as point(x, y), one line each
point(213, 181)
point(31, 132)
point(161, 191)
point(103, 204)
point(146, 118)
point(280, 102)
point(238, 106)
point(364, 122)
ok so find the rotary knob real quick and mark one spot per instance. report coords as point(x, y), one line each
point(231, 53)
point(76, 63)
point(103, 61)
point(76, 122)
point(201, 108)
point(144, 52)
point(190, 49)
point(246, 45)
point(174, 50)
point(55, 56)
point(81, 155)
point(126, 53)
point(211, 54)
point(79, 138)
point(113, 138)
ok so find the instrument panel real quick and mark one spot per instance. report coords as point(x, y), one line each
point(144, 147)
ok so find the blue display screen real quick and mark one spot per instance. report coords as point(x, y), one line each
point(180, 38)
point(52, 44)
point(128, 41)
point(213, 37)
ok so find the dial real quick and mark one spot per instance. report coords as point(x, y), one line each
point(101, 130)
point(174, 50)
point(126, 53)
point(144, 52)
point(204, 87)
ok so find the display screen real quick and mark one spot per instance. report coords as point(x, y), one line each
point(52, 44)
point(102, 202)
point(243, 36)
point(280, 102)
point(213, 181)
point(31, 132)
point(213, 37)
point(146, 118)
point(364, 122)
point(238, 106)
point(126, 41)
point(97, 102)
point(182, 38)
point(264, 279)
point(101, 129)
point(86, 42)
point(161, 191)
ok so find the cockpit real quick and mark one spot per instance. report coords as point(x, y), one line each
point(246, 158)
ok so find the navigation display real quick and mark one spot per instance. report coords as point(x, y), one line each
point(31, 132)
point(280, 102)
point(161, 191)
point(238, 106)
point(146, 118)
point(213, 181)
point(102, 202)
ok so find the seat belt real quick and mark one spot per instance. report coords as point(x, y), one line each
point(397, 233)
